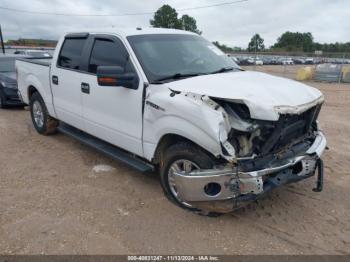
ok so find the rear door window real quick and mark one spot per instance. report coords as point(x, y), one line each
point(70, 55)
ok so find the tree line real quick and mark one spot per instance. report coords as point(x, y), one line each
point(32, 42)
point(167, 17)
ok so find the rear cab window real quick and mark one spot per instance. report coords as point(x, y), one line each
point(70, 54)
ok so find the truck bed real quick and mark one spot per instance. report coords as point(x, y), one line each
point(38, 61)
point(34, 72)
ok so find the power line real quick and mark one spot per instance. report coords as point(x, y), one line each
point(126, 14)
point(213, 5)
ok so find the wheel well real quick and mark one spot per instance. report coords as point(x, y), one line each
point(170, 139)
point(31, 91)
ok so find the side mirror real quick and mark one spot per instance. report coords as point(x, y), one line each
point(116, 76)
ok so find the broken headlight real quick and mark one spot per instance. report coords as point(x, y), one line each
point(244, 130)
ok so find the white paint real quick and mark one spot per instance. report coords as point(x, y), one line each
point(102, 168)
point(262, 93)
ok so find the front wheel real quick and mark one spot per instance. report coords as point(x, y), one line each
point(42, 121)
point(183, 157)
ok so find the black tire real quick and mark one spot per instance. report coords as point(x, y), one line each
point(2, 100)
point(49, 124)
point(184, 151)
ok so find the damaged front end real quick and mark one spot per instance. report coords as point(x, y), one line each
point(261, 156)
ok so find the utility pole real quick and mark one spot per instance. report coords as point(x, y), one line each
point(2, 41)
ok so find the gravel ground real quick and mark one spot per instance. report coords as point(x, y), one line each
point(60, 197)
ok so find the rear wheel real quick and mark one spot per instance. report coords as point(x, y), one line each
point(183, 157)
point(42, 121)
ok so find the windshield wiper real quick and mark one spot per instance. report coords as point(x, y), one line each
point(223, 70)
point(181, 75)
point(176, 76)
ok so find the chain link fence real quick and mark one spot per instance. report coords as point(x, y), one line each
point(325, 67)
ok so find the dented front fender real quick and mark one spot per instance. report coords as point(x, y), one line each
point(195, 117)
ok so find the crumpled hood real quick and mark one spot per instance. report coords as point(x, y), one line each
point(265, 95)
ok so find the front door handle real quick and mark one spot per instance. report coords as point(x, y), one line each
point(55, 80)
point(85, 88)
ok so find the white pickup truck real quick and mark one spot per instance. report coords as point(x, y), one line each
point(169, 100)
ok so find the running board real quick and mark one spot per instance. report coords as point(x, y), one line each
point(106, 148)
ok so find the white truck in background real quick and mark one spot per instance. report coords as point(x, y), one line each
point(169, 100)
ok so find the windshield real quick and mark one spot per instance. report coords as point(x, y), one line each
point(165, 55)
point(7, 64)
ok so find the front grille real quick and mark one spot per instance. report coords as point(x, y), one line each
point(290, 128)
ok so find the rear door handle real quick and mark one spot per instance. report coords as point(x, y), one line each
point(55, 80)
point(85, 88)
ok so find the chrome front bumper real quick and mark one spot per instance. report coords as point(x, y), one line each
point(226, 183)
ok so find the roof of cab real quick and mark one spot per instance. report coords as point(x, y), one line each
point(125, 32)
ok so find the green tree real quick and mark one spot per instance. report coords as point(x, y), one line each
point(223, 47)
point(167, 17)
point(333, 47)
point(188, 23)
point(256, 44)
point(295, 41)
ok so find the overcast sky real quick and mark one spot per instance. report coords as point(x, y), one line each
point(233, 25)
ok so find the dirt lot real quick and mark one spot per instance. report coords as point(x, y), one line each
point(53, 202)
